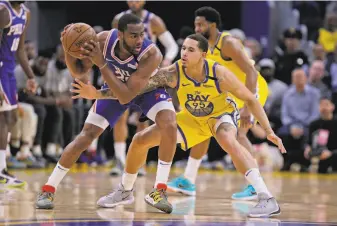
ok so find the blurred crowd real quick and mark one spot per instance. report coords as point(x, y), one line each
point(302, 79)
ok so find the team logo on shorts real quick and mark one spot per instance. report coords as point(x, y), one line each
point(160, 96)
point(199, 105)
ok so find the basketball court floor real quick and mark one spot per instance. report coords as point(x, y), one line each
point(305, 199)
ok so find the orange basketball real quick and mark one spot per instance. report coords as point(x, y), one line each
point(75, 37)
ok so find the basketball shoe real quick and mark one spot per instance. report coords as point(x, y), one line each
point(10, 181)
point(118, 197)
point(248, 193)
point(157, 198)
point(182, 185)
point(45, 199)
point(266, 207)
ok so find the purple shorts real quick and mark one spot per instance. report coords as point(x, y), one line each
point(8, 87)
point(106, 112)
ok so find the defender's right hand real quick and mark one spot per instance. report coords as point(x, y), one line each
point(85, 91)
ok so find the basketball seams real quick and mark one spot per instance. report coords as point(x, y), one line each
point(77, 38)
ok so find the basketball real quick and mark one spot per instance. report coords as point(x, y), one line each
point(75, 37)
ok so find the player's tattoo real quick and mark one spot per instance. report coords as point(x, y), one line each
point(106, 94)
point(164, 77)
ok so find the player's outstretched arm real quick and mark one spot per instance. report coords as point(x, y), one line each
point(229, 83)
point(165, 77)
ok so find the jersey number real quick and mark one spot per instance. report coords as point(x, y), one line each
point(122, 75)
point(15, 44)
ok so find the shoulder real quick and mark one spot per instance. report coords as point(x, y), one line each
point(151, 52)
point(313, 90)
point(290, 91)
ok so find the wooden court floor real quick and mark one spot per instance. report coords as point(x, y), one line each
point(305, 200)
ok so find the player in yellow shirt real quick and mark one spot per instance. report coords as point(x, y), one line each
point(203, 88)
point(229, 52)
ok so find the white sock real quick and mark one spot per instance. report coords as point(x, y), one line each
point(57, 175)
point(3, 164)
point(163, 171)
point(191, 170)
point(255, 179)
point(128, 180)
point(9, 137)
point(120, 151)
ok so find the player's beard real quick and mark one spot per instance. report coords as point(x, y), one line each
point(127, 47)
point(206, 34)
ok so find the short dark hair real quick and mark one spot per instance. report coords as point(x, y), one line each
point(210, 14)
point(126, 19)
point(202, 41)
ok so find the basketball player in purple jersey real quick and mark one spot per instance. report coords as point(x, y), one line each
point(126, 60)
point(14, 17)
point(154, 28)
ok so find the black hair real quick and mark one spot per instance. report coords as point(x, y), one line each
point(126, 19)
point(210, 14)
point(202, 41)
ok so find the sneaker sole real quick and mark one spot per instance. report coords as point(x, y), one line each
point(165, 210)
point(126, 202)
point(278, 212)
point(180, 190)
point(15, 185)
point(247, 198)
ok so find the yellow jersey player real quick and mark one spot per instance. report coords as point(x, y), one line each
point(204, 88)
point(154, 28)
point(229, 52)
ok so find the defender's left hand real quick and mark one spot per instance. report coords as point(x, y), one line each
point(277, 141)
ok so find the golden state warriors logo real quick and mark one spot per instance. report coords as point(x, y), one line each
point(199, 105)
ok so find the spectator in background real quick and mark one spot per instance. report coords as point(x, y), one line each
point(300, 106)
point(322, 141)
point(318, 53)
point(277, 89)
point(327, 35)
point(39, 100)
point(293, 57)
point(310, 16)
point(316, 74)
point(254, 47)
point(30, 49)
point(58, 85)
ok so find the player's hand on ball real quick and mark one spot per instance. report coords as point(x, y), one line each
point(277, 141)
point(93, 52)
point(85, 91)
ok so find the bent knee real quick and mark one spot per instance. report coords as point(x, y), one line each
point(139, 140)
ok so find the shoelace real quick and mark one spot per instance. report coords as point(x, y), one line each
point(158, 195)
point(47, 195)
point(262, 203)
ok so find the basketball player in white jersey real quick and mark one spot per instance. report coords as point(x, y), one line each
point(154, 28)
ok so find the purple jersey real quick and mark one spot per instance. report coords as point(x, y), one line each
point(11, 34)
point(123, 69)
point(107, 112)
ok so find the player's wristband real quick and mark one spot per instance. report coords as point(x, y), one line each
point(103, 66)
